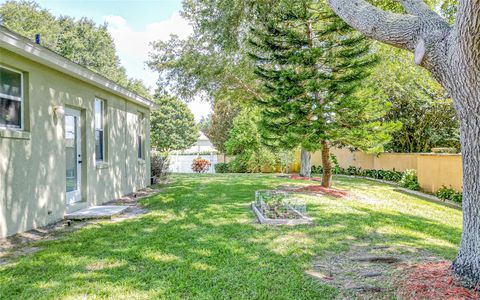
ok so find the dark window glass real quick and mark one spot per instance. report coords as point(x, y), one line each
point(10, 98)
point(99, 138)
point(99, 145)
point(10, 113)
point(10, 83)
point(139, 145)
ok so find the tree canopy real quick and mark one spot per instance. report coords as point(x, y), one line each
point(172, 125)
point(81, 41)
point(217, 128)
point(421, 104)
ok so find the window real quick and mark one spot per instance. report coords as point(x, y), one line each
point(99, 135)
point(11, 98)
point(140, 136)
point(139, 146)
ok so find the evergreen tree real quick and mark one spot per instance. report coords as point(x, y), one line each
point(311, 64)
point(172, 125)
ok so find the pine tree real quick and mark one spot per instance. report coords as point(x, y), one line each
point(311, 65)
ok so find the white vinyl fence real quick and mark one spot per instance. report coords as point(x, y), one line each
point(183, 163)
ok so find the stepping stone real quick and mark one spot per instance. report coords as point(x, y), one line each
point(96, 212)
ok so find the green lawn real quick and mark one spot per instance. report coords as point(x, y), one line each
point(199, 241)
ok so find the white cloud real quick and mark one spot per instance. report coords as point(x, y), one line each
point(133, 47)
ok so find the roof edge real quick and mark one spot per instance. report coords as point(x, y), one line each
point(24, 47)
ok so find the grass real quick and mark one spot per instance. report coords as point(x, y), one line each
point(199, 241)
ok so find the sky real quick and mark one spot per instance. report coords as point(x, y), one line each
point(133, 25)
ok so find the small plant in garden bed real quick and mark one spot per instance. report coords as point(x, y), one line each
point(279, 205)
point(201, 165)
point(278, 210)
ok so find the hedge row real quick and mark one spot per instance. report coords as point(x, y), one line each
point(387, 175)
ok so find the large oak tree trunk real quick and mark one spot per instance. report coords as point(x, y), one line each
point(305, 164)
point(466, 266)
point(452, 55)
point(327, 165)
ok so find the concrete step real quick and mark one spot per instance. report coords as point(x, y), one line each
point(96, 212)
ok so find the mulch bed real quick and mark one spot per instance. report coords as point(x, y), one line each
point(298, 177)
point(432, 281)
point(318, 189)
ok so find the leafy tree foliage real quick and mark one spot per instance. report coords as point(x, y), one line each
point(214, 60)
point(81, 41)
point(172, 125)
point(221, 122)
point(418, 102)
point(312, 65)
point(246, 143)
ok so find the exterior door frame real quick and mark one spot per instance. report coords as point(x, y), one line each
point(75, 196)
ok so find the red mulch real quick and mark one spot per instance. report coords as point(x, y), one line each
point(433, 281)
point(298, 177)
point(318, 189)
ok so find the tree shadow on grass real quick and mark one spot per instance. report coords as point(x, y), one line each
point(199, 241)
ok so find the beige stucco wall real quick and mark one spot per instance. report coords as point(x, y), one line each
point(395, 161)
point(433, 170)
point(32, 163)
point(437, 170)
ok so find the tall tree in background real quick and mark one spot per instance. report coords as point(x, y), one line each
point(418, 102)
point(312, 64)
point(172, 125)
point(452, 54)
point(221, 122)
point(81, 41)
point(246, 143)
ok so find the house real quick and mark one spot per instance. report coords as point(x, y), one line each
point(69, 137)
point(201, 146)
point(181, 161)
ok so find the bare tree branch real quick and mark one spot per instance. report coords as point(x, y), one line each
point(394, 29)
point(418, 8)
point(421, 31)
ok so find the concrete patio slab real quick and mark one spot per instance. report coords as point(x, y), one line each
point(96, 212)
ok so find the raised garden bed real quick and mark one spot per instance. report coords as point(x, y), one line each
point(279, 208)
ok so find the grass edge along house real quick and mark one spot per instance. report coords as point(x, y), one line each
point(69, 137)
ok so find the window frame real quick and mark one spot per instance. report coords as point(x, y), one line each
point(22, 102)
point(140, 136)
point(102, 115)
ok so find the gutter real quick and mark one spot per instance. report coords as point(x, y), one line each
point(24, 47)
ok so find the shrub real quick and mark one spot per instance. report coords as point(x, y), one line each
point(221, 168)
point(388, 175)
point(352, 171)
point(159, 166)
point(201, 165)
point(317, 169)
point(410, 180)
point(446, 193)
point(238, 165)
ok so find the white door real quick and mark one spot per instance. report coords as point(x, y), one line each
point(73, 154)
